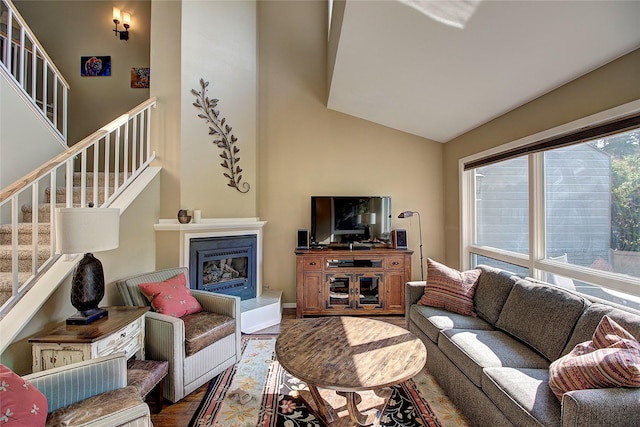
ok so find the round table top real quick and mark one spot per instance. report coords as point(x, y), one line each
point(350, 353)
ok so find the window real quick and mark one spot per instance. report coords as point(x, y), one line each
point(564, 209)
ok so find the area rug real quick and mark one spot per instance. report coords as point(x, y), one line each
point(275, 402)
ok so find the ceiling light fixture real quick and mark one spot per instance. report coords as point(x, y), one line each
point(126, 23)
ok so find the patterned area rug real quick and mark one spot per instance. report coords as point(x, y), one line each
point(275, 401)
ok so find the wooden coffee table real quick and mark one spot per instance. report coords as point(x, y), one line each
point(349, 355)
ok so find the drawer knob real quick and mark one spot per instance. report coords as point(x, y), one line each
point(312, 263)
point(122, 335)
point(395, 263)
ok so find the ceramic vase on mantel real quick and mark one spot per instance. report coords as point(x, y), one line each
point(184, 217)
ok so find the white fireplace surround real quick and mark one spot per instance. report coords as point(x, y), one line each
point(257, 313)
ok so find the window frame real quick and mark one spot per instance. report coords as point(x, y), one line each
point(534, 261)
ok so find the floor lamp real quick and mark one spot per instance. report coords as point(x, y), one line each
point(86, 230)
point(409, 214)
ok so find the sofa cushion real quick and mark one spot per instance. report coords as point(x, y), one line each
point(543, 316)
point(522, 395)
point(432, 320)
point(473, 350)
point(611, 359)
point(21, 404)
point(449, 288)
point(204, 328)
point(171, 297)
point(589, 320)
point(492, 291)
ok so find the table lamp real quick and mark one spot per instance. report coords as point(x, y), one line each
point(87, 230)
point(409, 214)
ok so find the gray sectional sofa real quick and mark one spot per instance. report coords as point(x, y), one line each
point(495, 367)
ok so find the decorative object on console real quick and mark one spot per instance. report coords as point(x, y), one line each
point(409, 214)
point(126, 23)
point(399, 239)
point(222, 137)
point(303, 239)
point(86, 230)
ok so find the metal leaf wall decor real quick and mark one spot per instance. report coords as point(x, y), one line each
point(222, 137)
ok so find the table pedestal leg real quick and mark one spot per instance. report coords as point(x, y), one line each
point(324, 411)
point(355, 414)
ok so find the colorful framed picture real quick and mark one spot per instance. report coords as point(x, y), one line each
point(140, 77)
point(95, 66)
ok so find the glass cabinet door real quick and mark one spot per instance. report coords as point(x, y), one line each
point(339, 291)
point(369, 290)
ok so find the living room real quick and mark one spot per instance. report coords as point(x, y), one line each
point(292, 146)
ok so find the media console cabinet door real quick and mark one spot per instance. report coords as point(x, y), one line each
point(342, 282)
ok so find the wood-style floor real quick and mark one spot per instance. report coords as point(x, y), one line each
point(179, 414)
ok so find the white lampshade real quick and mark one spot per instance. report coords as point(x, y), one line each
point(82, 230)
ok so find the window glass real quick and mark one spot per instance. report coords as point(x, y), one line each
point(502, 205)
point(477, 260)
point(592, 204)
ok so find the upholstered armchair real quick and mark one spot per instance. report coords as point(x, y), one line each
point(197, 346)
point(91, 393)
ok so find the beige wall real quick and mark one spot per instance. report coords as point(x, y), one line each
point(614, 84)
point(71, 29)
point(305, 149)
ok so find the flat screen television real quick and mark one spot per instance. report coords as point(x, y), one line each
point(350, 219)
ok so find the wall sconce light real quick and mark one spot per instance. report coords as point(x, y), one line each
point(126, 22)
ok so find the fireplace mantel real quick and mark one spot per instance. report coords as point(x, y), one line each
point(263, 311)
point(215, 227)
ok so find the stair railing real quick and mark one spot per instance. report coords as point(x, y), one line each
point(31, 70)
point(103, 164)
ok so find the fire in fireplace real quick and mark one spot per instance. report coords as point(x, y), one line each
point(224, 265)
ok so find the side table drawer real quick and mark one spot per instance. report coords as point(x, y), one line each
point(123, 340)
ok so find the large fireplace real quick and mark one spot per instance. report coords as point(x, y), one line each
point(225, 265)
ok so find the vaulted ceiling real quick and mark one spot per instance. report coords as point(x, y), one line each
point(428, 73)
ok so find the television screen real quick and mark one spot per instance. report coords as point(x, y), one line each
point(347, 219)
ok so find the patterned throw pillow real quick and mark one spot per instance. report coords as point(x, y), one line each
point(449, 288)
point(610, 359)
point(171, 297)
point(21, 404)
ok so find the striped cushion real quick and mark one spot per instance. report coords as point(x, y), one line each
point(611, 359)
point(450, 289)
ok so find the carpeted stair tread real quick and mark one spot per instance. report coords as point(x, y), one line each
point(77, 177)
point(6, 284)
point(61, 194)
point(25, 253)
point(25, 233)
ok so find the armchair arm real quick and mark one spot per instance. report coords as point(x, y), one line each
point(96, 375)
point(218, 303)
point(601, 407)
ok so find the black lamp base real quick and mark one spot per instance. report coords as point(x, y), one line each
point(88, 316)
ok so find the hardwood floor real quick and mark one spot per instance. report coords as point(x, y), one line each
point(180, 413)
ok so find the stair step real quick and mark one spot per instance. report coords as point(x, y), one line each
point(61, 194)
point(6, 284)
point(24, 257)
point(44, 211)
point(25, 233)
point(77, 176)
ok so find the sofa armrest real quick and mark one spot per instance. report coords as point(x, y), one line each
point(412, 293)
point(601, 407)
point(97, 376)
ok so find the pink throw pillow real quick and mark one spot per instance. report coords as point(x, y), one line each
point(449, 288)
point(610, 359)
point(171, 297)
point(21, 404)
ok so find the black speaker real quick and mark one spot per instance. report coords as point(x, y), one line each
point(399, 239)
point(303, 238)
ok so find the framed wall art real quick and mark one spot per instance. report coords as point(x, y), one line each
point(95, 66)
point(140, 77)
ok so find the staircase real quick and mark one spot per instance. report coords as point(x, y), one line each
point(26, 253)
